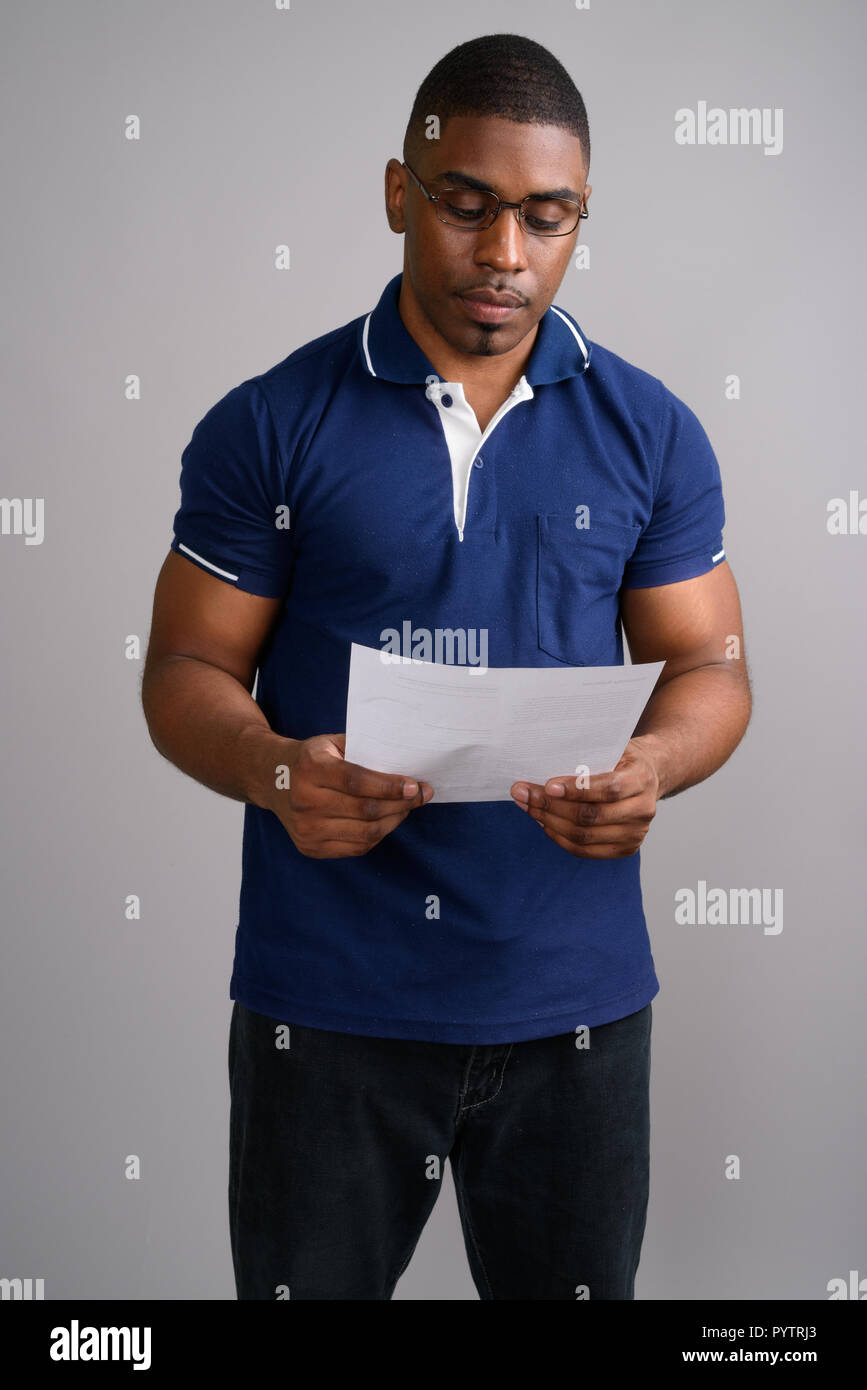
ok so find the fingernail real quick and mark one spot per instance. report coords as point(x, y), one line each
point(410, 789)
point(521, 794)
point(557, 789)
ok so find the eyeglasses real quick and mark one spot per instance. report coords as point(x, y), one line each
point(473, 209)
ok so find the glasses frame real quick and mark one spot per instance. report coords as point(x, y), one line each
point(501, 203)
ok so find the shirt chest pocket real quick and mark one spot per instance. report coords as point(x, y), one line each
point(578, 587)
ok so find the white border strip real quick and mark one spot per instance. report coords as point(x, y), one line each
point(364, 343)
point(203, 561)
point(570, 325)
point(718, 556)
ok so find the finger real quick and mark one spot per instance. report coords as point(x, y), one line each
point(617, 786)
point(601, 786)
point(613, 831)
point(604, 850)
point(590, 813)
point(333, 804)
point(334, 772)
point(345, 836)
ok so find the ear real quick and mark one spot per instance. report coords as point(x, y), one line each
point(395, 195)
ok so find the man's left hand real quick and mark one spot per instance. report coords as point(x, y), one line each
point(608, 818)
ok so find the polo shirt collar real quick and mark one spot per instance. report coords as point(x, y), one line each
point(388, 349)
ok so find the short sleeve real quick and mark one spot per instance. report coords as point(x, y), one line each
point(234, 519)
point(683, 537)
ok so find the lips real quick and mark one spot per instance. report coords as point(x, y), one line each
point(493, 297)
point(490, 306)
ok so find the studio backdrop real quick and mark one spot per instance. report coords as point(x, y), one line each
point(157, 162)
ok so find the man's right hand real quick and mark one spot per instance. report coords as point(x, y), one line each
point(333, 809)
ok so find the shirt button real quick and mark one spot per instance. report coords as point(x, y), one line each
point(478, 463)
point(446, 399)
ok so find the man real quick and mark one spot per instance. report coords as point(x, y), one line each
point(415, 981)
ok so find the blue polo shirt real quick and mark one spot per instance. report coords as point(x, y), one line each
point(339, 482)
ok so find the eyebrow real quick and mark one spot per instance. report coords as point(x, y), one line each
point(457, 176)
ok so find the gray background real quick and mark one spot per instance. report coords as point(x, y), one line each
point(156, 257)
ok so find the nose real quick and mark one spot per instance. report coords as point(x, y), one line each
point(503, 244)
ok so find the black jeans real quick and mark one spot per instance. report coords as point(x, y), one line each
point(338, 1143)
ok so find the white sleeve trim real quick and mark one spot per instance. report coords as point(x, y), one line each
point(203, 561)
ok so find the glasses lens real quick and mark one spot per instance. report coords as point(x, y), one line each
point(466, 207)
point(550, 216)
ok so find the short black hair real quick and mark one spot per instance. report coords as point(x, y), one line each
point(503, 75)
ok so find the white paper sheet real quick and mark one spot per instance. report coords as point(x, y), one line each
point(471, 731)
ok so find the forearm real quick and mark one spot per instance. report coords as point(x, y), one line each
point(693, 724)
point(208, 725)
